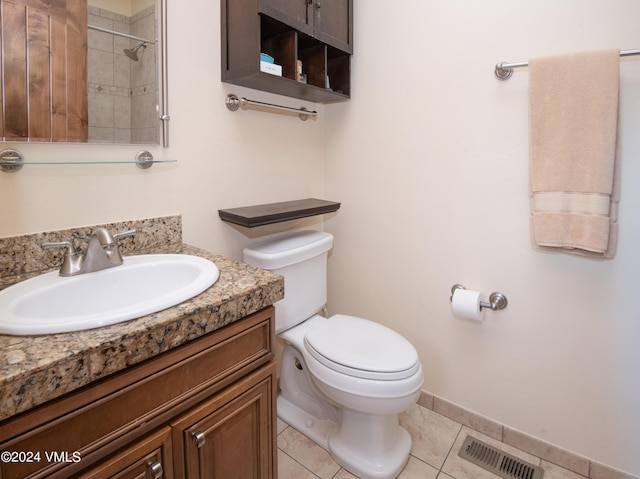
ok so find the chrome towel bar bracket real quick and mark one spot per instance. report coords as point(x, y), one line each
point(504, 70)
point(496, 300)
point(234, 103)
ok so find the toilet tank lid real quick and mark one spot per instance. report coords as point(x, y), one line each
point(288, 248)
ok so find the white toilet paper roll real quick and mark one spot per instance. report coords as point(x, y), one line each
point(466, 304)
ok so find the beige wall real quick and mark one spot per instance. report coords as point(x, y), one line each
point(224, 159)
point(429, 159)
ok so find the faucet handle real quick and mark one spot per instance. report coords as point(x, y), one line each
point(70, 249)
point(72, 259)
point(124, 234)
point(114, 252)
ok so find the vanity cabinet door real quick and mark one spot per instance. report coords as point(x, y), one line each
point(232, 435)
point(148, 458)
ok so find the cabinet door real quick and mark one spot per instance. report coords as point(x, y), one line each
point(148, 458)
point(330, 21)
point(231, 435)
point(333, 23)
point(295, 13)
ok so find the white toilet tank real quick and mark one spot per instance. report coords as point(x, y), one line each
point(301, 257)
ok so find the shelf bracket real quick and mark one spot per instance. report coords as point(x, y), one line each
point(11, 160)
point(144, 159)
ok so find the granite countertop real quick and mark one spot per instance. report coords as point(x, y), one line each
point(36, 369)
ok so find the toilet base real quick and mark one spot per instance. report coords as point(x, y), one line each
point(357, 442)
point(318, 430)
point(370, 446)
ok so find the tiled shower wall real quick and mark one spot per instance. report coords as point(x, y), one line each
point(122, 92)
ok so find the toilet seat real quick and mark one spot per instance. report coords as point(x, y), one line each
point(361, 348)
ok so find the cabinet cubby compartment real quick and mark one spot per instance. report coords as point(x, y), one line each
point(319, 60)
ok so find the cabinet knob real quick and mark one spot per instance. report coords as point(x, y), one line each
point(199, 438)
point(318, 5)
point(155, 469)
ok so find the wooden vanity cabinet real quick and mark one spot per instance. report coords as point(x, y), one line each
point(315, 35)
point(205, 409)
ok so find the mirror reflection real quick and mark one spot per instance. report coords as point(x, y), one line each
point(122, 73)
point(74, 71)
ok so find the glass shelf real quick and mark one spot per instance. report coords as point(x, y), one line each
point(82, 162)
point(12, 160)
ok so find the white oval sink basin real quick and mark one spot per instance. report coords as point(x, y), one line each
point(142, 285)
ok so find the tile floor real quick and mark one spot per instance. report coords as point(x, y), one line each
point(436, 441)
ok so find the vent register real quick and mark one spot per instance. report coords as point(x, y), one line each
point(497, 462)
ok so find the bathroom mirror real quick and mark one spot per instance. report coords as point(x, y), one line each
point(84, 71)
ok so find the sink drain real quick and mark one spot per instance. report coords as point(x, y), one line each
point(497, 462)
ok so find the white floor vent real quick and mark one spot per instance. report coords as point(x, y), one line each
point(497, 462)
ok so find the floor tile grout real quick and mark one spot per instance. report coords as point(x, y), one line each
point(440, 471)
point(296, 461)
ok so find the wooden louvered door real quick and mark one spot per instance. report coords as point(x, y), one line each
point(44, 66)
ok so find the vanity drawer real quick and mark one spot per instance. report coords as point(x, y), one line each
point(149, 455)
point(104, 417)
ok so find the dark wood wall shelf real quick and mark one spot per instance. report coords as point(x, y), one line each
point(258, 215)
point(312, 35)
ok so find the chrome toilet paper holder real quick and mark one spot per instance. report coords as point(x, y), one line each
point(496, 300)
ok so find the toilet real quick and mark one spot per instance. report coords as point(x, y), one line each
point(343, 379)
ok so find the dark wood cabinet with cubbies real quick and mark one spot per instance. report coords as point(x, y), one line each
point(310, 40)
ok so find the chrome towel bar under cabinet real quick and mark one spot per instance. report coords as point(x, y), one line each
point(234, 103)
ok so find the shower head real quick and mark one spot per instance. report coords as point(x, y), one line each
point(133, 52)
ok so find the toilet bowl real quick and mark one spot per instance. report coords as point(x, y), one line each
point(343, 379)
point(355, 418)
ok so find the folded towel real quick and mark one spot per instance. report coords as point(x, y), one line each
point(573, 117)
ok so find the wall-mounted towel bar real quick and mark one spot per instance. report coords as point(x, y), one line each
point(504, 70)
point(233, 103)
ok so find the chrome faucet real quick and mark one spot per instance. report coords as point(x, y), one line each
point(102, 253)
